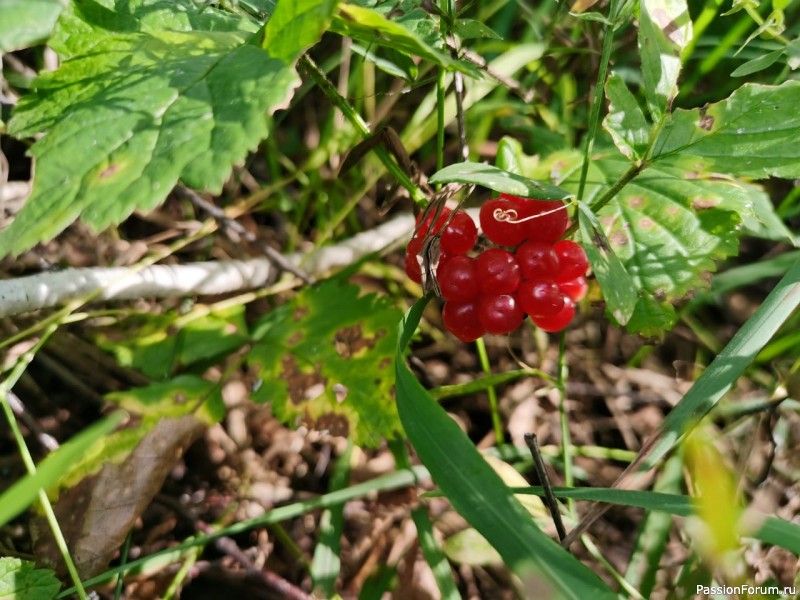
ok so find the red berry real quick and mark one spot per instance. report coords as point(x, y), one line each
point(537, 260)
point(412, 264)
point(461, 319)
point(575, 288)
point(458, 280)
point(545, 220)
point(495, 217)
point(424, 228)
point(572, 261)
point(460, 234)
point(498, 272)
point(541, 298)
point(559, 321)
point(500, 314)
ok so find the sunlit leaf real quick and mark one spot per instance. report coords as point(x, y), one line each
point(625, 121)
point(27, 22)
point(498, 180)
point(21, 580)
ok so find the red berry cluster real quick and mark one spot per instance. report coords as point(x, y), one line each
point(494, 291)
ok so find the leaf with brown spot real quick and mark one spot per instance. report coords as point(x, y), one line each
point(324, 360)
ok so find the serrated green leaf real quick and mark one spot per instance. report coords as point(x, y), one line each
point(665, 29)
point(752, 133)
point(406, 34)
point(27, 22)
point(498, 180)
point(85, 23)
point(761, 62)
point(625, 120)
point(478, 493)
point(141, 111)
point(295, 26)
point(619, 291)
point(21, 580)
point(325, 360)
point(25, 491)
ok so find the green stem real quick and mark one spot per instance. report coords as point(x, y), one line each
point(496, 422)
point(441, 86)
point(27, 459)
point(361, 127)
point(597, 101)
point(566, 439)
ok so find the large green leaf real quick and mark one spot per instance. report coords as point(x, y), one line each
point(21, 580)
point(665, 28)
point(296, 25)
point(324, 359)
point(477, 492)
point(26, 22)
point(137, 109)
point(668, 226)
point(752, 133)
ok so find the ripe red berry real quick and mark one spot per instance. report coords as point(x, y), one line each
point(498, 272)
point(461, 319)
point(500, 314)
point(575, 288)
point(559, 321)
point(460, 234)
point(572, 261)
point(458, 280)
point(496, 216)
point(424, 228)
point(541, 298)
point(537, 260)
point(411, 263)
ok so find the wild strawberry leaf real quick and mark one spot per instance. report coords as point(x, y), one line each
point(143, 109)
point(752, 133)
point(625, 121)
point(325, 360)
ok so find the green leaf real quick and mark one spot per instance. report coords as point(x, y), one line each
point(295, 26)
point(468, 29)
point(21, 580)
point(25, 491)
point(752, 133)
point(625, 121)
point(665, 29)
point(761, 62)
point(141, 111)
point(479, 494)
point(406, 34)
point(619, 291)
point(498, 180)
point(27, 22)
point(185, 394)
point(85, 23)
point(325, 358)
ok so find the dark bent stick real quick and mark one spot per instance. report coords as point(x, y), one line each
point(549, 498)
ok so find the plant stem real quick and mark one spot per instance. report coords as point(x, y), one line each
point(597, 101)
point(566, 440)
point(496, 422)
point(361, 127)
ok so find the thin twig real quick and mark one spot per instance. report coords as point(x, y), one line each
point(45, 439)
point(549, 497)
point(229, 224)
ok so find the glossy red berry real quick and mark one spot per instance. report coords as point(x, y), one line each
point(537, 260)
point(500, 314)
point(541, 298)
point(575, 288)
point(461, 319)
point(498, 272)
point(424, 228)
point(496, 216)
point(572, 260)
point(412, 263)
point(458, 279)
point(460, 234)
point(559, 321)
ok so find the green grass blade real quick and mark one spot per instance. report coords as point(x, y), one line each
point(24, 492)
point(434, 555)
point(478, 493)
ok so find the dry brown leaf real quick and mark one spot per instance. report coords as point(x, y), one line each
point(97, 514)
